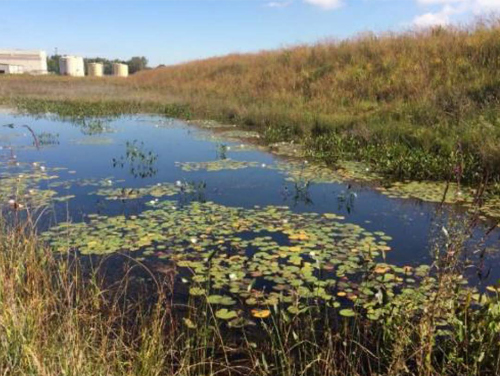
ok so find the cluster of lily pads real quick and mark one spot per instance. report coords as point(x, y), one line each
point(448, 193)
point(259, 257)
point(295, 170)
point(84, 182)
point(217, 165)
point(19, 185)
point(344, 171)
point(156, 190)
point(93, 140)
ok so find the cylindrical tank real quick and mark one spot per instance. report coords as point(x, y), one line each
point(71, 66)
point(120, 70)
point(95, 69)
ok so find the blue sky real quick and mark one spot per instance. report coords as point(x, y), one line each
point(173, 31)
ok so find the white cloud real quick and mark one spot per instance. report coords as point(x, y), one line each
point(431, 19)
point(325, 4)
point(278, 4)
point(487, 5)
point(449, 8)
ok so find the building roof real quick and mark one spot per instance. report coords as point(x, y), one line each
point(39, 53)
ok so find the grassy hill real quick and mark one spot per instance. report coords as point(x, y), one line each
point(420, 104)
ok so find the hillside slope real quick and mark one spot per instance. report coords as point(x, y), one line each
point(419, 104)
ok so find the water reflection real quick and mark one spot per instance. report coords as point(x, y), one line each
point(92, 127)
point(346, 200)
point(406, 221)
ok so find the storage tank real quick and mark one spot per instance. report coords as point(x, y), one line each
point(95, 69)
point(71, 66)
point(120, 70)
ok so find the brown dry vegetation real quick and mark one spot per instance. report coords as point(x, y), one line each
point(420, 104)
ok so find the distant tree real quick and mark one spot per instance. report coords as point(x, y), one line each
point(136, 64)
point(53, 64)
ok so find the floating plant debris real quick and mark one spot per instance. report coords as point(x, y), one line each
point(210, 124)
point(23, 189)
point(67, 184)
point(448, 193)
point(287, 149)
point(156, 190)
point(94, 140)
point(239, 134)
point(218, 165)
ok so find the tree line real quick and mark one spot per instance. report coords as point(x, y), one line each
point(135, 64)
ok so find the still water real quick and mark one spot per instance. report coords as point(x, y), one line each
point(132, 152)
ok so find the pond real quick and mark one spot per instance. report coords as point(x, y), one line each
point(242, 224)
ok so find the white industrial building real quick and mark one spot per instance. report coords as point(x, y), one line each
point(11, 69)
point(71, 66)
point(33, 62)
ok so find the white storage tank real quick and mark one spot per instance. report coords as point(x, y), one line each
point(71, 66)
point(95, 69)
point(120, 70)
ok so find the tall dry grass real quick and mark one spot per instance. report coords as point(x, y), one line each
point(59, 316)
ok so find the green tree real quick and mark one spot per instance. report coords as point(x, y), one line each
point(136, 64)
point(53, 64)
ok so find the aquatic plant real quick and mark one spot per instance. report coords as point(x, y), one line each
point(233, 250)
point(140, 161)
point(157, 190)
point(47, 138)
point(218, 165)
point(93, 140)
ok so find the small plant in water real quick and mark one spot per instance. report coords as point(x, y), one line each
point(141, 162)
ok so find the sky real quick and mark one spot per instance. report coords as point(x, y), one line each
point(175, 31)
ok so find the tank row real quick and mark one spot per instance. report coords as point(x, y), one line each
point(74, 66)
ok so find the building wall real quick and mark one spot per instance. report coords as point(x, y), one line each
point(11, 69)
point(34, 62)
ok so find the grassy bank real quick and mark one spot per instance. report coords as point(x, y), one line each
point(60, 316)
point(420, 104)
